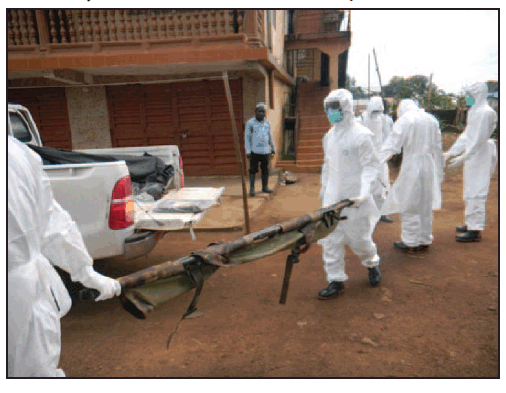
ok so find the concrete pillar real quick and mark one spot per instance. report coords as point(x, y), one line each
point(333, 69)
point(88, 117)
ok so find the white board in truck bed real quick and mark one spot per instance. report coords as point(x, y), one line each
point(146, 219)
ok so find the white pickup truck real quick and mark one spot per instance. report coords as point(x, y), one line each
point(99, 196)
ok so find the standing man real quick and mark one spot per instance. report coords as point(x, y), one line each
point(259, 147)
point(40, 233)
point(349, 170)
point(417, 190)
point(479, 158)
point(376, 121)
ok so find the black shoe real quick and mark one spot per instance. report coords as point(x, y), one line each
point(374, 275)
point(462, 229)
point(405, 248)
point(334, 289)
point(469, 236)
point(265, 181)
point(423, 247)
point(386, 219)
point(251, 185)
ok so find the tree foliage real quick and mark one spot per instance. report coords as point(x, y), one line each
point(417, 87)
point(413, 87)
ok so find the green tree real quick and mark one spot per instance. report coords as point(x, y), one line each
point(412, 87)
point(439, 99)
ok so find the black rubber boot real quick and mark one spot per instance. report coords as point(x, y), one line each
point(334, 289)
point(423, 247)
point(461, 229)
point(374, 275)
point(469, 236)
point(405, 248)
point(386, 219)
point(252, 184)
point(265, 181)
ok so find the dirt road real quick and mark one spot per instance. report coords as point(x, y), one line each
point(434, 314)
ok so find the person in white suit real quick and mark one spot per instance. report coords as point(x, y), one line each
point(378, 123)
point(40, 234)
point(417, 190)
point(349, 171)
point(479, 155)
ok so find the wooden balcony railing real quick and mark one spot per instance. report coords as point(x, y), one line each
point(320, 21)
point(48, 27)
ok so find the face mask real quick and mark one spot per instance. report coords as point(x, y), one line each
point(469, 101)
point(334, 115)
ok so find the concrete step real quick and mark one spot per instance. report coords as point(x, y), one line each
point(317, 132)
point(304, 149)
point(311, 136)
point(309, 143)
point(315, 164)
point(303, 157)
point(318, 124)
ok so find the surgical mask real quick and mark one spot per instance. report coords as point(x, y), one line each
point(334, 115)
point(469, 101)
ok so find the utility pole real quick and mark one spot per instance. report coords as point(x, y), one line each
point(378, 71)
point(430, 90)
point(369, 75)
point(237, 150)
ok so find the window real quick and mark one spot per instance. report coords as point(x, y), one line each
point(19, 128)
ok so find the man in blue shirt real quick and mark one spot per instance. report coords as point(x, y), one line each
point(259, 146)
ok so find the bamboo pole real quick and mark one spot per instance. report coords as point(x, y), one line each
point(378, 71)
point(237, 150)
point(430, 91)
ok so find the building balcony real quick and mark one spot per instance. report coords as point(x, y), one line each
point(318, 24)
point(68, 31)
point(98, 46)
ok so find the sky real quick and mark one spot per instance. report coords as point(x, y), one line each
point(459, 47)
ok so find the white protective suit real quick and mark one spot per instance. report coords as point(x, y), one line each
point(350, 168)
point(417, 190)
point(378, 123)
point(479, 156)
point(39, 230)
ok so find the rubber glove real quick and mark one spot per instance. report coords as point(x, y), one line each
point(456, 161)
point(108, 287)
point(360, 199)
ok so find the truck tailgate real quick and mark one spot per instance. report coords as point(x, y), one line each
point(145, 218)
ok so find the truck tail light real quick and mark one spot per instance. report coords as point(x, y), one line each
point(182, 172)
point(122, 205)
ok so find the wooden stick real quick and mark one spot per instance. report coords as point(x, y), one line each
point(237, 151)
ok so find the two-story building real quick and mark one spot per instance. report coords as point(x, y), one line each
point(116, 78)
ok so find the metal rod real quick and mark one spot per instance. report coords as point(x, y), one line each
point(369, 75)
point(430, 91)
point(237, 150)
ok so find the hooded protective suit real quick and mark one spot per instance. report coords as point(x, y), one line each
point(378, 123)
point(350, 168)
point(479, 156)
point(417, 190)
point(39, 230)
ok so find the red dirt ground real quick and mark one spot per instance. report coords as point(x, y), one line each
point(434, 314)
